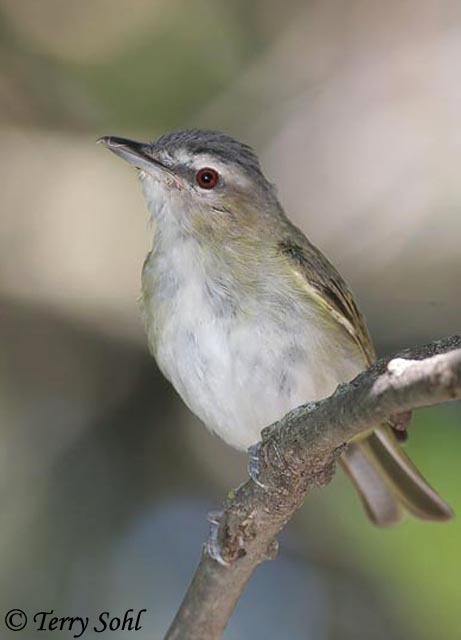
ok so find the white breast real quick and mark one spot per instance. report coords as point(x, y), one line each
point(238, 371)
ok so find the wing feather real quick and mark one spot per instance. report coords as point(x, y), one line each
point(324, 284)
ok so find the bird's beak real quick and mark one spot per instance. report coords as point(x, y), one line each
point(137, 153)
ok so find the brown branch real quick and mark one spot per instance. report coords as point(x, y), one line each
point(299, 453)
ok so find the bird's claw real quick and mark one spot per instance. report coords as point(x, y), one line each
point(254, 465)
point(213, 546)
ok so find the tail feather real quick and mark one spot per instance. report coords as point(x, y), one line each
point(379, 502)
point(387, 480)
point(413, 491)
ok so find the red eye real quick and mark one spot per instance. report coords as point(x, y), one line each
point(207, 178)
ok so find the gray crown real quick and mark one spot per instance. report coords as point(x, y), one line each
point(215, 143)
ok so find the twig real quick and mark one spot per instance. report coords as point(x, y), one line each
point(299, 453)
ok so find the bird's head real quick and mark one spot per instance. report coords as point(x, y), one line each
point(201, 182)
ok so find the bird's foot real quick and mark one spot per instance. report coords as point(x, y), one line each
point(254, 466)
point(213, 546)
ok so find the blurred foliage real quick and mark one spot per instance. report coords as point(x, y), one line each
point(168, 70)
point(418, 564)
point(159, 75)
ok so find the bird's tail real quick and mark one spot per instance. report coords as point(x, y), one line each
point(388, 482)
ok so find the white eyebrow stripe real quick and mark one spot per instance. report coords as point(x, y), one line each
point(198, 161)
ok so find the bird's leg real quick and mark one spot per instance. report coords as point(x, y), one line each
point(213, 546)
point(254, 465)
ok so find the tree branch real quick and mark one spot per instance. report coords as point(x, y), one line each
point(296, 454)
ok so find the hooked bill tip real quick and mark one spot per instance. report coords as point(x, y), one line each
point(115, 142)
point(108, 141)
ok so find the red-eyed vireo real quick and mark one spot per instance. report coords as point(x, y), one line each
point(245, 317)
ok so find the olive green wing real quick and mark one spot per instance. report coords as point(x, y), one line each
point(324, 284)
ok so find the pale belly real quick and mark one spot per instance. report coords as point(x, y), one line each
point(240, 373)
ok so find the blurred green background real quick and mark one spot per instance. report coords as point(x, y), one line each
point(106, 477)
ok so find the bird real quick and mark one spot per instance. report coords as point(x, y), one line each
point(246, 317)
